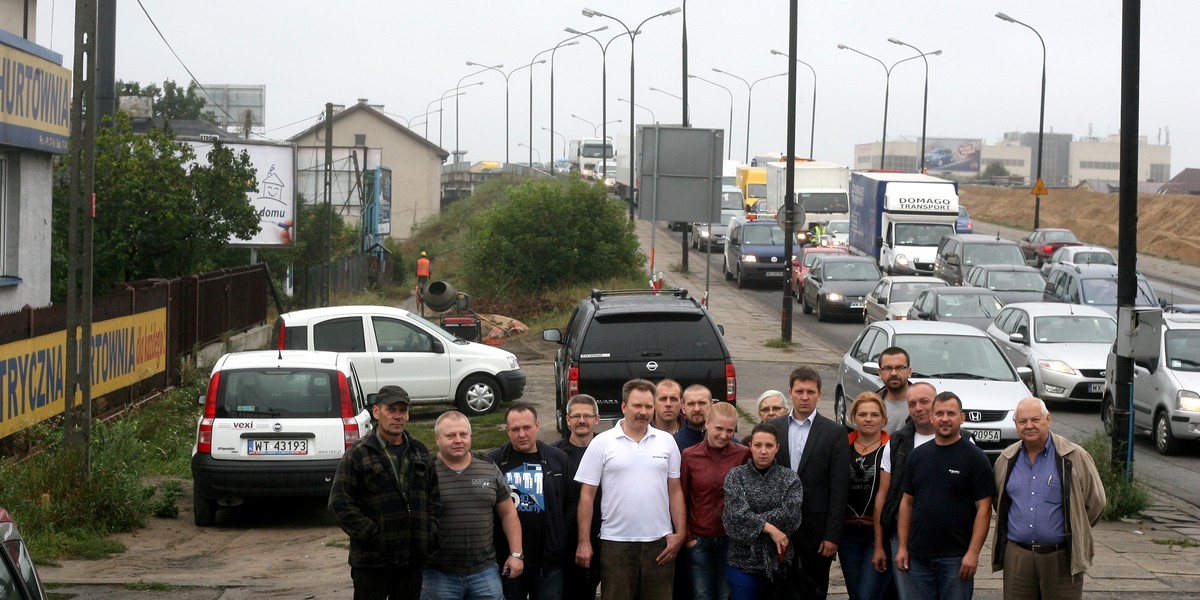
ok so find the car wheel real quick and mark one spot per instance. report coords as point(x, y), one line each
point(839, 406)
point(1164, 441)
point(1106, 415)
point(822, 316)
point(804, 307)
point(478, 395)
point(741, 278)
point(1033, 386)
point(560, 419)
point(204, 509)
point(725, 269)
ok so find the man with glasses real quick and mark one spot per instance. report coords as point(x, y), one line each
point(580, 583)
point(894, 370)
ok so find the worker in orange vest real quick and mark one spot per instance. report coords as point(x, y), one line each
point(423, 271)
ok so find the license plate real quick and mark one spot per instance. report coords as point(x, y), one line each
point(856, 305)
point(773, 274)
point(986, 435)
point(289, 447)
point(1095, 388)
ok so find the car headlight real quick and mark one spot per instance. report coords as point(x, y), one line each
point(1188, 401)
point(1056, 365)
point(834, 297)
point(704, 233)
point(512, 363)
point(901, 259)
point(749, 258)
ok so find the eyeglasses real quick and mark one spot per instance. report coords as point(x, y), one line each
point(767, 409)
point(890, 369)
point(578, 417)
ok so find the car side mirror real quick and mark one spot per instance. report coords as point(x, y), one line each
point(795, 263)
point(721, 328)
point(1162, 302)
point(1018, 338)
point(439, 347)
point(1025, 374)
point(552, 335)
point(200, 401)
point(372, 399)
point(871, 368)
point(953, 260)
point(883, 300)
point(923, 315)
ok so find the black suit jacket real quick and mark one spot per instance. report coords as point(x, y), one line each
point(825, 474)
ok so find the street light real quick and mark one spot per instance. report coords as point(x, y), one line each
point(887, 83)
point(506, 77)
point(1037, 203)
point(552, 54)
point(531, 151)
point(653, 119)
point(532, 62)
point(924, 100)
point(590, 124)
point(564, 139)
point(812, 130)
point(439, 110)
point(603, 86)
point(675, 96)
point(587, 12)
point(457, 153)
point(749, 98)
point(729, 132)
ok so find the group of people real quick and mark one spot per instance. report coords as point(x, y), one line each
point(668, 503)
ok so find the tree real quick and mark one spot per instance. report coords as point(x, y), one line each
point(159, 213)
point(171, 101)
point(995, 169)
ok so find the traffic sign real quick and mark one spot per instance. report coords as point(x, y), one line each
point(1039, 189)
point(798, 216)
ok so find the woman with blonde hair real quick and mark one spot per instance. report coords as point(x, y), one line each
point(869, 416)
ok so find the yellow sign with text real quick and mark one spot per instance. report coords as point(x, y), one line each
point(125, 350)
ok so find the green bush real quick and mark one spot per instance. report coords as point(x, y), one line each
point(1125, 496)
point(166, 503)
point(549, 233)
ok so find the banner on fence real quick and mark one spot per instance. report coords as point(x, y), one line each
point(125, 350)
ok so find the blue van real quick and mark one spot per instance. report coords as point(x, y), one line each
point(754, 250)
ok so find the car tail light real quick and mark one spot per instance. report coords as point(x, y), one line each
point(901, 317)
point(204, 435)
point(1048, 249)
point(572, 382)
point(730, 383)
point(349, 424)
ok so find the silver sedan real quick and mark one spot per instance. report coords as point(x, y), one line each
point(893, 295)
point(1065, 345)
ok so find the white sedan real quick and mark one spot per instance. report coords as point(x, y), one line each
point(893, 295)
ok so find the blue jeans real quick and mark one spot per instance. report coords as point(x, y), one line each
point(937, 579)
point(545, 583)
point(900, 578)
point(483, 584)
point(863, 582)
point(744, 585)
point(707, 561)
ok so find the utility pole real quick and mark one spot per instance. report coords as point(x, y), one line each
point(328, 202)
point(106, 59)
point(82, 168)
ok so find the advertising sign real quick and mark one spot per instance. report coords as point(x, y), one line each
point(273, 194)
point(35, 102)
point(953, 154)
point(125, 350)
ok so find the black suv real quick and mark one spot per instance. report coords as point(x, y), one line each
point(618, 335)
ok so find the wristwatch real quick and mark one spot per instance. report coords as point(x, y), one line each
point(520, 555)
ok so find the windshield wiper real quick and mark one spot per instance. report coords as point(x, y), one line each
point(959, 376)
point(1187, 361)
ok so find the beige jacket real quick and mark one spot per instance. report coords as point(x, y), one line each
point(1083, 500)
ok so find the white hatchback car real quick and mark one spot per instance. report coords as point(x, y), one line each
point(392, 346)
point(275, 424)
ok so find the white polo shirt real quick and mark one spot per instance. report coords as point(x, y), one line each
point(635, 506)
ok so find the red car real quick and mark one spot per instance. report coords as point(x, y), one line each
point(801, 266)
point(1039, 245)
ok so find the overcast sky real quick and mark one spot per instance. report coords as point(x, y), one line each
point(404, 54)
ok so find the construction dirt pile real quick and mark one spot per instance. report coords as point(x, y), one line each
point(1168, 226)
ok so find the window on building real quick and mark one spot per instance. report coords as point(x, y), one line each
point(360, 139)
point(1099, 164)
point(1160, 172)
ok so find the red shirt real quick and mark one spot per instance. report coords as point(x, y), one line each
point(702, 475)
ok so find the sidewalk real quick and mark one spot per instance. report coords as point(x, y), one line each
point(1130, 556)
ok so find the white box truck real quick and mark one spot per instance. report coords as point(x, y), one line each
point(899, 218)
point(822, 190)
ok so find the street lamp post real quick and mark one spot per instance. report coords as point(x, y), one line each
point(812, 130)
point(1037, 203)
point(531, 63)
point(439, 110)
point(564, 140)
point(506, 77)
point(587, 12)
point(653, 119)
point(590, 124)
point(887, 84)
point(924, 100)
point(729, 132)
point(675, 96)
point(531, 151)
point(603, 85)
point(552, 55)
point(457, 152)
point(749, 99)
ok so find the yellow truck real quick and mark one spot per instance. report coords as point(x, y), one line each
point(753, 183)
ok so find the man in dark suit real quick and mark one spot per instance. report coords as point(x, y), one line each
point(817, 449)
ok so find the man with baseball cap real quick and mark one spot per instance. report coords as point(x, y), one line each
point(385, 497)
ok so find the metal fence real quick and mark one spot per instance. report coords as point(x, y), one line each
point(345, 276)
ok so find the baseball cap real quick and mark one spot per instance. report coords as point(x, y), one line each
point(391, 394)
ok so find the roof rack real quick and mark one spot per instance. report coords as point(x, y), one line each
point(601, 294)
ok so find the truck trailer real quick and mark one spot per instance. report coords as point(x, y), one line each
point(822, 190)
point(753, 183)
point(899, 218)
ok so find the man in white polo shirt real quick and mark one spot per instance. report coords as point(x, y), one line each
point(642, 510)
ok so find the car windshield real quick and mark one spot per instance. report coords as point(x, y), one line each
point(1074, 329)
point(597, 150)
point(272, 393)
point(757, 190)
point(968, 305)
point(993, 254)
point(1015, 281)
point(1103, 292)
point(763, 235)
point(834, 202)
point(1059, 236)
point(811, 257)
point(907, 292)
point(851, 271)
point(839, 227)
point(954, 357)
point(962, 211)
point(732, 201)
point(921, 234)
point(1093, 258)
point(1183, 349)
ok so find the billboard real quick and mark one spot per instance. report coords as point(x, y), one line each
point(953, 154)
point(273, 194)
point(35, 100)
